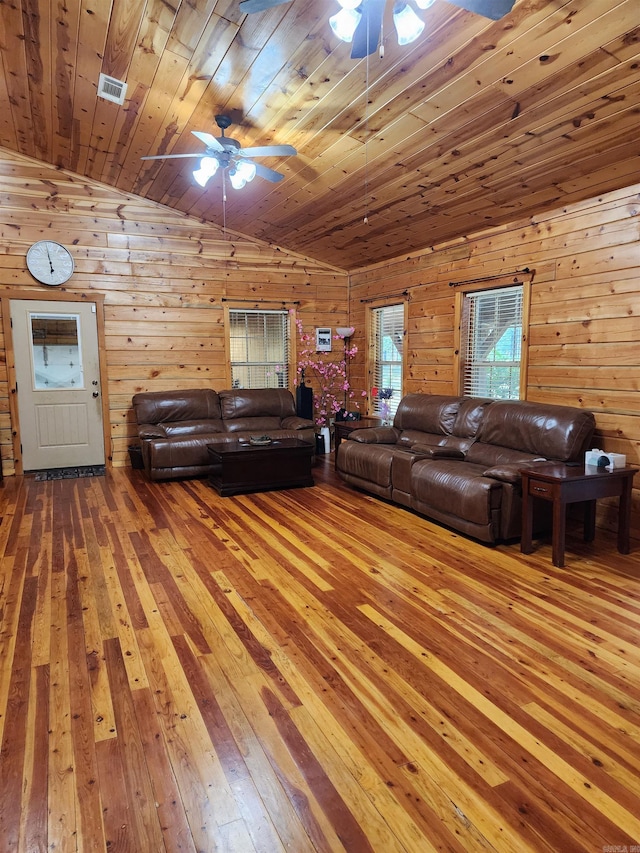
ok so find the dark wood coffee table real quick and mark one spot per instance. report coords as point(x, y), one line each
point(243, 467)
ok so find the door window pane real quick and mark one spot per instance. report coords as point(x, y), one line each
point(56, 352)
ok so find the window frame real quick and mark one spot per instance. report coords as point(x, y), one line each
point(372, 364)
point(472, 287)
point(261, 309)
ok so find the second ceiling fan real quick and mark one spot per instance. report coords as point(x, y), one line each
point(365, 26)
point(225, 152)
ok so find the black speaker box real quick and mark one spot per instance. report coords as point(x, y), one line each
point(304, 402)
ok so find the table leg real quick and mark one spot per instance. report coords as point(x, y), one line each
point(589, 521)
point(559, 532)
point(526, 546)
point(624, 515)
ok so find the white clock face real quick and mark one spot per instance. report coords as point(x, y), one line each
point(49, 262)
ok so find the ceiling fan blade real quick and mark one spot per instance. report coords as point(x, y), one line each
point(170, 156)
point(268, 174)
point(249, 6)
point(367, 34)
point(494, 9)
point(268, 151)
point(209, 140)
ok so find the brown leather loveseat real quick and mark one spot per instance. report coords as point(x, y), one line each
point(175, 427)
point(457, 460)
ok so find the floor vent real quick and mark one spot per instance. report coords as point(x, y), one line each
point(112, 89)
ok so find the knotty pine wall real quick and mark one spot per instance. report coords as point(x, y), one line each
point(164, 277)
point(584, 334)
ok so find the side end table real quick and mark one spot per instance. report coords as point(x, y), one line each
point(564, 484)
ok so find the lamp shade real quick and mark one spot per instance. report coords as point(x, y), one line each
point(208, 168)
point(408, 25)
point(345, 331)
point(344, 23)
point(247, 169)
point(237, 181)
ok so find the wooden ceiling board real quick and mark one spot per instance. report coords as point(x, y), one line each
point(475, 124)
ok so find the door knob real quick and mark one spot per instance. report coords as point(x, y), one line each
point(95, 394)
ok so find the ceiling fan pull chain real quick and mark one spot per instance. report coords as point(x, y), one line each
point(366, 142)
point(224, 206)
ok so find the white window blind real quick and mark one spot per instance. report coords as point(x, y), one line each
point(388, 333)
point(491, 343)
point(259, 348)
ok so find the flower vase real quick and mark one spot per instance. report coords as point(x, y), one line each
point(325, 432)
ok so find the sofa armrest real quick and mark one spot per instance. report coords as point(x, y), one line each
point(510, 472)
point(294, 422)
point(437, 452)
point(151, 431)
point(375, 435)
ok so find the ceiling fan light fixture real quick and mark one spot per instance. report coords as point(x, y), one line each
point(424, 4)
point(344, 23)
point(246, 169)
point(208, 168)
point(236, 179)
point(408, 25)
point(350, 4)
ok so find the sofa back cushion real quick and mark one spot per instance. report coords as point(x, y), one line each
point(430, 413)
point(554, 432)
point(154, 407)
point(275, 403)
point(470, 415)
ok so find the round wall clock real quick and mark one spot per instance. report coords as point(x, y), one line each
point(49, 262)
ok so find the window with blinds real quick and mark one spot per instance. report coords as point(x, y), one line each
point(387, 329)
point(259, 348)
point(491, 343)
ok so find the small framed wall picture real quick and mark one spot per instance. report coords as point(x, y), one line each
point(323, 340)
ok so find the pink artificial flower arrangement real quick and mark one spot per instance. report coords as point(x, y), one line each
point(328, 375)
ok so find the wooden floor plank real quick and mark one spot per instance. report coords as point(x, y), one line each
point(306, 670)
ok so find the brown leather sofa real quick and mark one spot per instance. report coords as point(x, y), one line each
point(175, 427)
point(457, 460)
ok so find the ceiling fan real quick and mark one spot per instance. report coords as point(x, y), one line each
point(226, 153)
point(368, 14)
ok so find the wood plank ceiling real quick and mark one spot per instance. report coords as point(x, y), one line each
point(476, 124)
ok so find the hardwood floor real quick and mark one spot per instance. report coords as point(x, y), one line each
point(307, 670)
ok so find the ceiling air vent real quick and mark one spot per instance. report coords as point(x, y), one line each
point(112, 89)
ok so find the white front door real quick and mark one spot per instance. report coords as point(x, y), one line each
point(58, 383)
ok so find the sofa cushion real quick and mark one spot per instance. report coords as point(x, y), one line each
point(187, 451)
point(470, 415)
point(257, 402)
point(374, 435)
point(408, 437)
point(256, 426)
point(433, 413)
point(492, 455)
point(178, 428)
point(555, 432)
point(370, 462)
point(455, 488)
point(154, 407)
